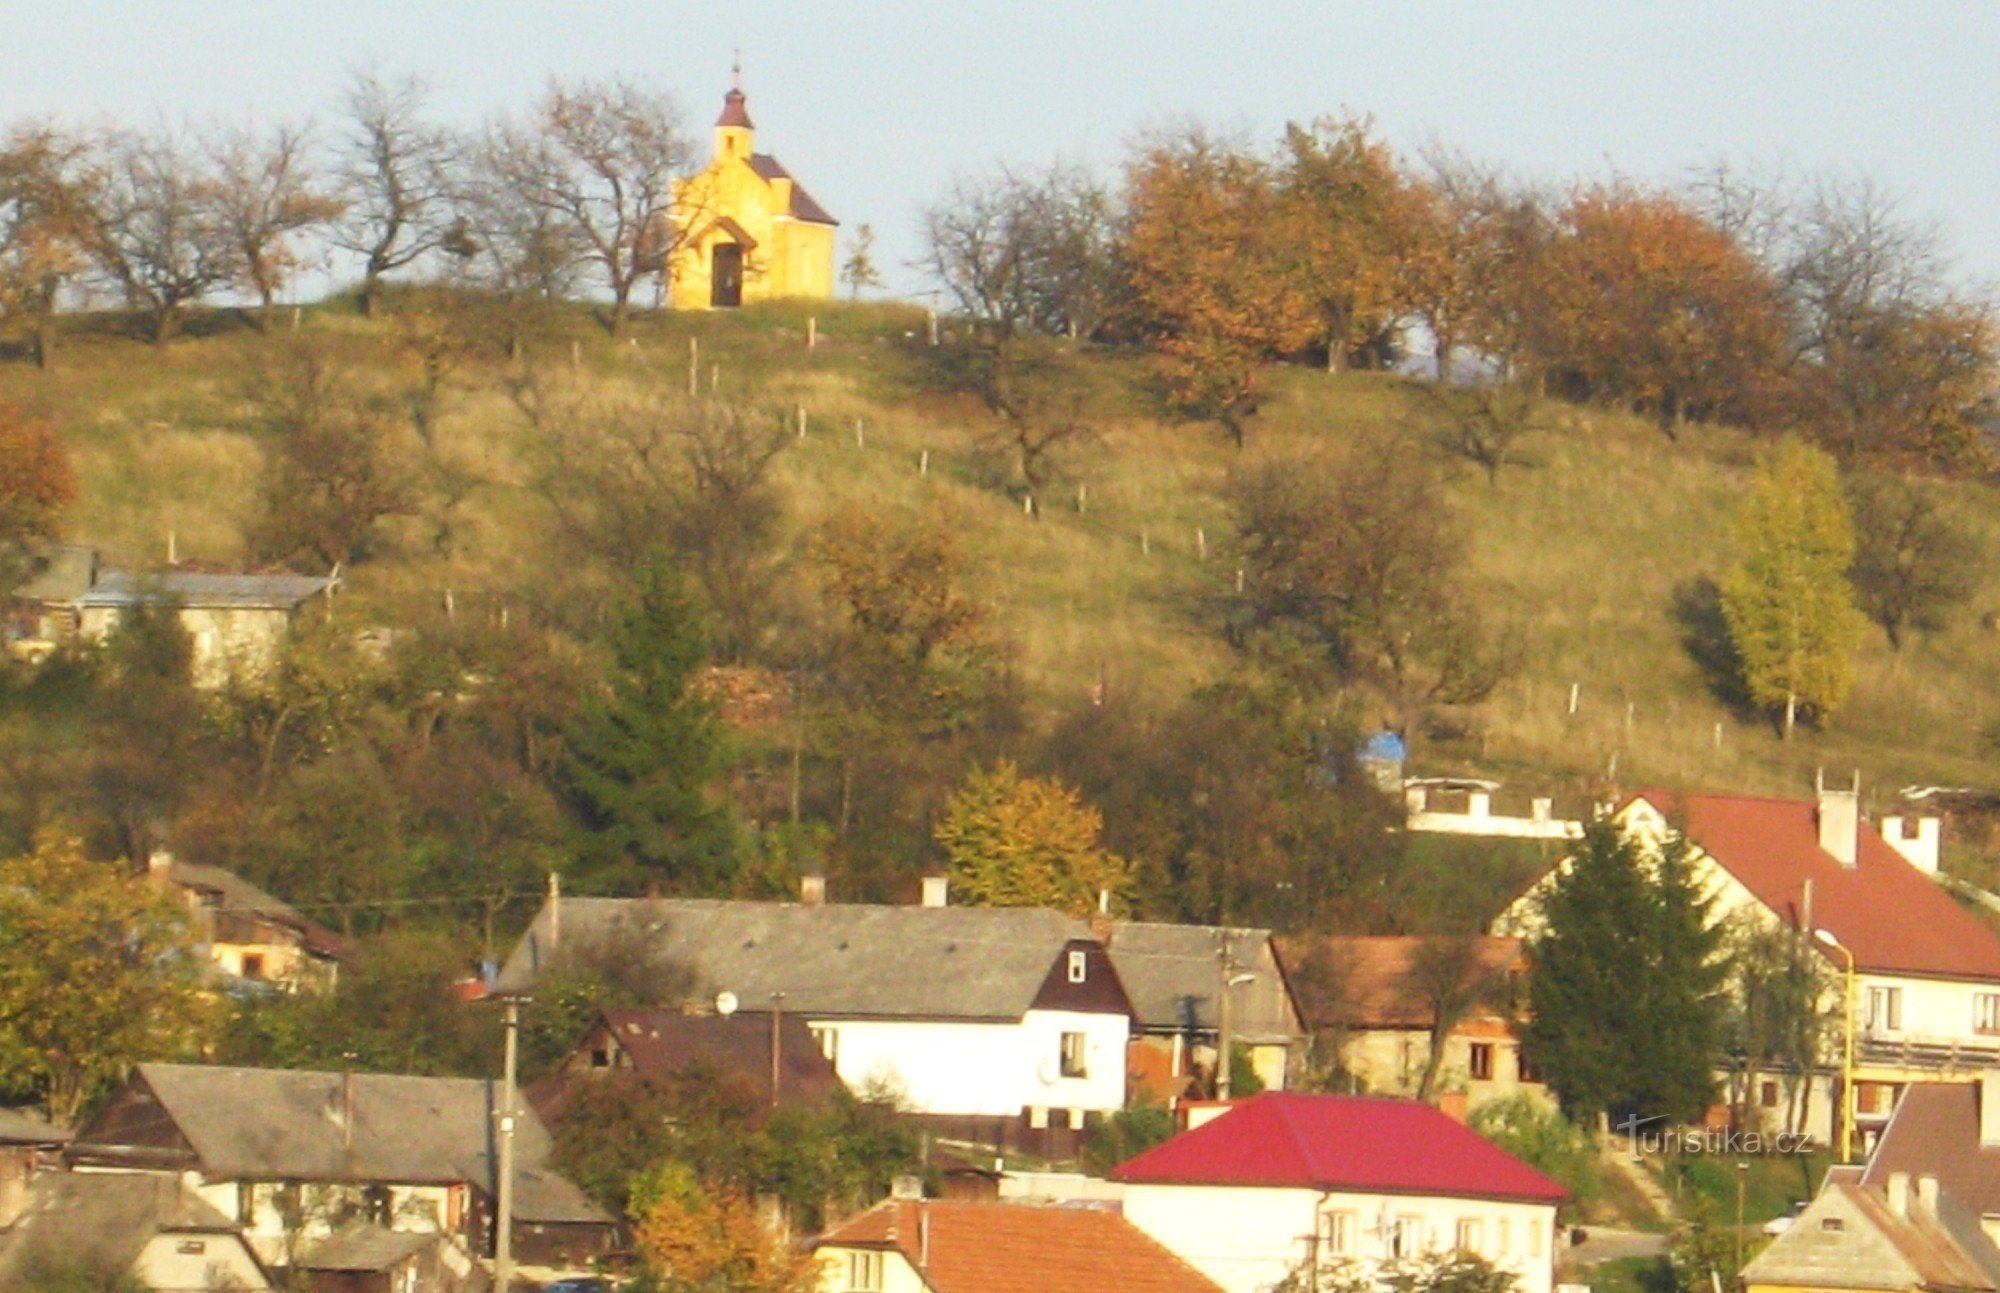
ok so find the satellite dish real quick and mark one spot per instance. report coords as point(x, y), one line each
point(725, 1004)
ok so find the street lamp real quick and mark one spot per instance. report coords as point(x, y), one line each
point(1222, 1041)
point(1847, 1061)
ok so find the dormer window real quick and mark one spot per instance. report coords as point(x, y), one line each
point(1079, 967)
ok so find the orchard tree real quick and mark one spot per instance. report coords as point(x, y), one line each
point(266, 195)
point(396, 177)
point(97, 972)
point(36, 483)
point(156, 228)
point(1625, 979)
point(46, 181)
point(1347, 213)
point(859, 270)
point(1787, 601)
point(1915, 563)
point(1016, 841)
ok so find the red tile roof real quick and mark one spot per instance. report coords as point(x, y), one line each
point(1889, 915)
point(1017, 1248)
point(1376, 983)
point(1334, 1142)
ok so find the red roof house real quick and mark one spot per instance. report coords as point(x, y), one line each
point(1000, 1248)
point(1285, 1180)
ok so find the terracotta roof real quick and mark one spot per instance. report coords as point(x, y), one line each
point(733, 111)
point(1017, 1248)
point(769, 168)
point(661, 1043)
point(1889, 915)
point(1325, 1142)
point(1935, 1130)
point(1374, 982)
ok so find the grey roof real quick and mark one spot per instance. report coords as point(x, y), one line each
point(362, 1247)
point(29, 1127)
point(236, 896)
point(1850, 1237)
point(913, 962)
point(120, 588)
point(288, 1124)
point(101, 1220)
point(845, 959)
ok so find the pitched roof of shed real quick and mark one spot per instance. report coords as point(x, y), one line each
point(100, 1219)
point(1016, 1248)
point(1891, 916)
point(1935, 1130)
point(1330, 1142)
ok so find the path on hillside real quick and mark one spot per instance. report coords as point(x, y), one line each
point(1617, 1158)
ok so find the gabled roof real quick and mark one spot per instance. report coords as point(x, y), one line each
point(1935, 1130)
point(1850, 1237)
point(1173, 977)
point(364, 1247)
point(835, 960)
point(1889, 915)
point(959, 1247)
point(121, 588)
point(231, 894)
point(1330, 1142)
point(102, 1220)
point(1378, 982)
point(769, 168)
point(661, 1043)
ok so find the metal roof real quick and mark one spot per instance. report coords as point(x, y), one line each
point(120, 588)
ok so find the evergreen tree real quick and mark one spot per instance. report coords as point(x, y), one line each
point(645, 747)
point(1787, 601)
point(1624, 990)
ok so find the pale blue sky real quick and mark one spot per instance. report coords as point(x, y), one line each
point(873, 106)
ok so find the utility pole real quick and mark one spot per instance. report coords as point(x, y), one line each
point(777, 1013)
point(503, 1245)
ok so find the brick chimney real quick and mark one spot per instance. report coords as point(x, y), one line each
point(936, 891)
point(1839, 813)
point(812, 890)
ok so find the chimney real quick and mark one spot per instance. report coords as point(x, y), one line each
point(937, 890)
point(1989, 1109)
point(158, 863)
point(923, 1237)
point(1478, 803)
point(1101, 924)
point(1927, 1194)
point(1541, 810)
point(1839, 813)
point(812, 890)
point(1917, 841)
point(1899, 1193)
point(906, 1186)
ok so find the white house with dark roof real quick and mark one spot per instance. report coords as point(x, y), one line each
point(150, 1230)
point(236, 623)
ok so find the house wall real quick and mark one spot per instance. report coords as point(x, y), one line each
point(1390, 1061)
point(228, 642)
point(1248, 1239)
point(836, 1272)
point(261, 1208)
point(995, 1069)
point(205, 1261)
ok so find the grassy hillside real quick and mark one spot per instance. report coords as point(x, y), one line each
point(1584, 555)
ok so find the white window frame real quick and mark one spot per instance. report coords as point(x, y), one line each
point(1336, 1234)
point(1885, 1008)
point(1079, 967)
point(1073, 1055)
point(864, 1270)
point(1469, 1237)
point(1986, 1013)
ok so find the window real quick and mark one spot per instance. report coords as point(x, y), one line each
point(1079, 967)
point(1073, 1050)
point(1875, 1097)
point(1471, 1237)
point(1336, 1234)
point(191, 1247)
point(829, 1043)
point(1502, 1240)
point(1535, 1240)
point(1986, 1012)
point(600, 1057)
point(1406, 1236)
point(1479, 1059)
point(253, 965)
point(1832, 1223)
point(864, 1272)
point(1767, 1094)
point(1885, 1009)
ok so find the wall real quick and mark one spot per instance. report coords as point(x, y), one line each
point(1390, 1061)
point(1248, 1239)
point(227, 642)
point(984, 1069)
point(221, 1262)
point(898, 1276)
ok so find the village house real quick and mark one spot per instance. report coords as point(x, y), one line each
point(1902, 1236)
point(1285, 1183)
point(148, 1229)
point(914, 1245)
point(1376, 1004)
point(750, 232)
point(1014, 1014)
point(774, 1056)
point(296, 1158)
point(1926, 1002)
point(251, 938)
point(1951, 1131)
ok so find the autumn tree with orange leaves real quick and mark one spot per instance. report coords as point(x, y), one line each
point(45, 179)
point(703, 1238)
point(36, 483)
point(1348, 220)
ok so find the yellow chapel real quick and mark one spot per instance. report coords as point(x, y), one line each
point(752, 231)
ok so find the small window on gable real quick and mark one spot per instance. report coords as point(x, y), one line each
point(600, 1057)
point(1832, 1223)
point(191, 1247)
point(1079, 967)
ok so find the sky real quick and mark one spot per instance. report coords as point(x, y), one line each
point(876, 106)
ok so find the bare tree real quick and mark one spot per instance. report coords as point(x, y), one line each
point(265, 194)
point(46, 176)
point(1485, 423)
point(601, 161)
point(155, 228)
point(1447, 974)
point(396, 178)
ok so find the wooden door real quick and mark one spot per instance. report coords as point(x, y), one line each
point(725, 276)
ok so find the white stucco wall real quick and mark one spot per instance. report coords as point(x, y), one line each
point(836, 1272)
point(1248, 1239)
point(990, 1069)
point(198, 1262)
